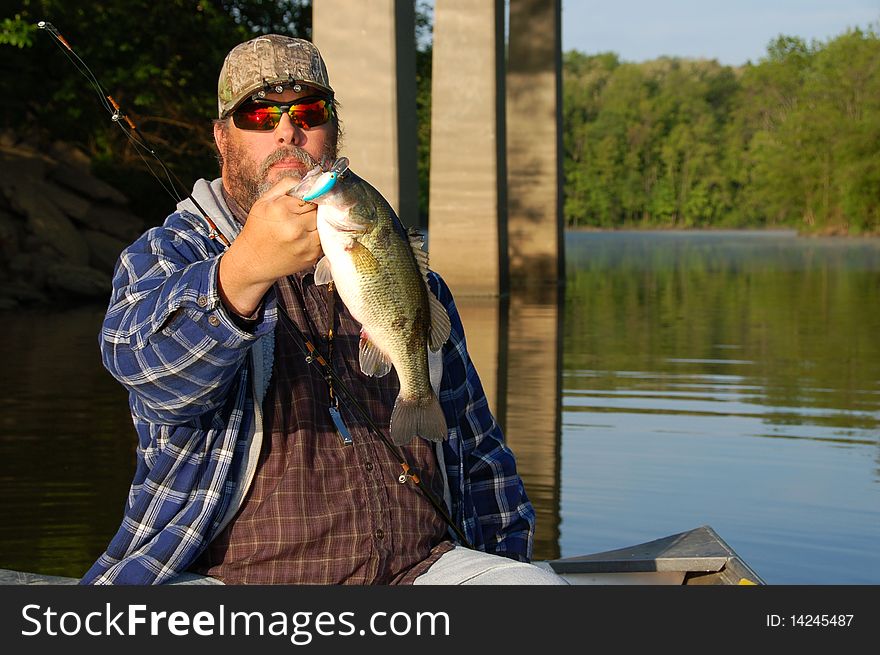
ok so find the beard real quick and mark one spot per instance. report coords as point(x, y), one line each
point(248, 179)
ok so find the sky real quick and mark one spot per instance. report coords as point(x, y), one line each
point(731, 31)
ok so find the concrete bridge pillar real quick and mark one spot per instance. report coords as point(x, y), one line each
point(370, 52)
point(467, 221)
point(534, 142)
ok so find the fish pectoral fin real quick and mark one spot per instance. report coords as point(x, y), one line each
point(373, 361)
point(364, 261)
point(440, 325)
point(323, 274)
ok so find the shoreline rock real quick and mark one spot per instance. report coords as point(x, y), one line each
point(61, 228)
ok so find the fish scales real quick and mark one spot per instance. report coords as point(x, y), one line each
point(379, 278)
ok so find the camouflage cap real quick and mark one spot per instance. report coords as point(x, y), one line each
point(264, 63)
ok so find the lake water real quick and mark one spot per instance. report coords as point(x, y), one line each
point(731, 379)
point(679, 379)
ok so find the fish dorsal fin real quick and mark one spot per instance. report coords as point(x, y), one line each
point(323, 274)
point(373, 361)
point(440, 326)
point(417, 242)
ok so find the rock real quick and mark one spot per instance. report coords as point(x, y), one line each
point(19, 162)
point(76, 179)
point(61, 228)
point(77, 280)
point(72, 205)
point(23, 293)
point(67, 153)
point(46, 221)
point(104, 250)
point(87, 185)
point(4, 203)
point(114, 221)
point(28, 268)
point(7, 138)
point(10, 245)
point(21, 181)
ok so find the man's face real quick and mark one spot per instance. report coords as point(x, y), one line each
point(253, 161)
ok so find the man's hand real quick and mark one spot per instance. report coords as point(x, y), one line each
point(279, 238)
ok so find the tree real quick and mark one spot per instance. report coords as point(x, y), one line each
point(160, 63)
point(792, 140)
point(424, 57)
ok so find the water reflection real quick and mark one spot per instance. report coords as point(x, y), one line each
point(722, 378)
point(730, 379)
point(532, 420)
point(516, 347)
point(66, 443)
point(681, 379)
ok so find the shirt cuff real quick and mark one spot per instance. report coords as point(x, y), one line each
point(245, 323)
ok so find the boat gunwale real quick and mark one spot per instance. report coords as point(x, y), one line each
point(696, 551)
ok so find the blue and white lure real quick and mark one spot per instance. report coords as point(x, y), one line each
point(327, 180)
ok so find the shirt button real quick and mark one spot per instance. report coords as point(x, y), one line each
point(380, 533)
point(369, 466)
point(213, 320)
point(202, 301)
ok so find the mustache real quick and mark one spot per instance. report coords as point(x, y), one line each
point(287, 152)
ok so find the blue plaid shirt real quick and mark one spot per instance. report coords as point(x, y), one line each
point(168, 339)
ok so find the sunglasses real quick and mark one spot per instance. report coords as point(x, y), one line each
point(264, 115)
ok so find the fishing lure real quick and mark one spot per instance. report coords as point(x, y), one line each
point(328, 180)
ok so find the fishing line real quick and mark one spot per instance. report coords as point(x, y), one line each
point(75, 59)
point(140, 143)
point(134, 135)
point(128, 127)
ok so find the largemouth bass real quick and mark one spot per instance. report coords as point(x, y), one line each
point(380, 273)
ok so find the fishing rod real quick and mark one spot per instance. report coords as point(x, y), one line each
point(129, 128)
point(311, 354)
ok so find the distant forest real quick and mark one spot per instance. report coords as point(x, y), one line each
point(792, 140)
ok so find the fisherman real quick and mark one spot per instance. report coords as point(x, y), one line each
point(244, 474)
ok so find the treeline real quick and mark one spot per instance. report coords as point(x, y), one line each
point(792, 141)
point(159, 61)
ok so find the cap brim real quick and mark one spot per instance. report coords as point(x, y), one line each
point(257, 87)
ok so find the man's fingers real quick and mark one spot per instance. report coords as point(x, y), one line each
point(306, 214)
point(281, 188)
point(304, 208)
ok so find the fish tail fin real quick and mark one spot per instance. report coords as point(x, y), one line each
point(421, 417)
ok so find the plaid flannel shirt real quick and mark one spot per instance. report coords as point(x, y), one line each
point(168, 339)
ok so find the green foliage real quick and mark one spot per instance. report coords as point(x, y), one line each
point(17, 32)
point(803, 314)
point(424, 52)
point(292, 17)
point(159, 61)
point(792, 140)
